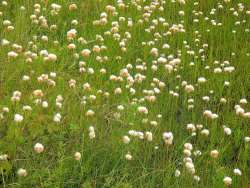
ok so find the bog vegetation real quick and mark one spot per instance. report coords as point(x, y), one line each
point(124, 93)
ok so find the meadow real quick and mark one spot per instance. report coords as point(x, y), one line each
point(124, 93)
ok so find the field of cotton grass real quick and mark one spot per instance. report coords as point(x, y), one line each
point(124, 93)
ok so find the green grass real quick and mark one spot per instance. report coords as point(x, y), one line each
point(103, 162)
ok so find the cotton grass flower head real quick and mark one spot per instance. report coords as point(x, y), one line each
point(85, 52)
point(142, 110)
point(243, 101)
point(190, 167)
point(189, 88)
point(12, 54)
point(16, 97)
point(38, 148)
point(126, 139)
point(18, 118)
point(182, 2)
point(177, 173)
point(22, 172)
point(91, 132)
point(210, 115)
point(188, 146)
point(149, 136)
point(154, 52)
point(197, 178)
point(27, 108)
point(72, 7)
point(247, 139)
point(205, 132)
point(45, 104)
point(90, 113)
point(214, 154)
point(128, 156)
point(227, 181)
point(168, 138)
point(57, 117)
point(201, 80)
point(227, 130)
point(50, 58)
point(237, 172)
point(77, 156)
point(239, 110)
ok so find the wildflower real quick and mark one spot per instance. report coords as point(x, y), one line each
point(182, 2)
point(126, 139)
point(168, 138)
point(243, 101)
point(39, 148)
point(191, 127)
point(142, 110)
point(72, 7)
point(177, 173)
point(12, 54)
point(201, 80)
point(22, 172)
point(206, 98)
point(85, 52)
point(77, 156)
point(18, 118)
point(91, 132)
point(227, 181)
point(205, 132)
point(190, 167)
point(57, 117)
point(187, 152)
point(247, 139)
point(223, 100)
point(237, 172)
point(214, 154)
point(118, 91)
point(227, 131)
point(4, 157)
point(128, 156)
point(196, 178)
point(209, 114)
point(27, 108)
point(90, 113)
point(149, 136)
point(26, 78)
point(45, 104)
point(38, 93)
point(188, 146)
point(154, 52)
point(189, 88)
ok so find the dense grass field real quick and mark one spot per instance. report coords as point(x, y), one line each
point(124, 94)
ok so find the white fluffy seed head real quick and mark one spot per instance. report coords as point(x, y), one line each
point(18, 118)
point(237, 172)
point(39, 148)
point(22, 172)
point(227, 131)
point(77, 156)
point(142, 110)
point(227, 181)
point(128, 156)
point(214, 154)
point(189, 88)
point(126, 139)
point(177, 173)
